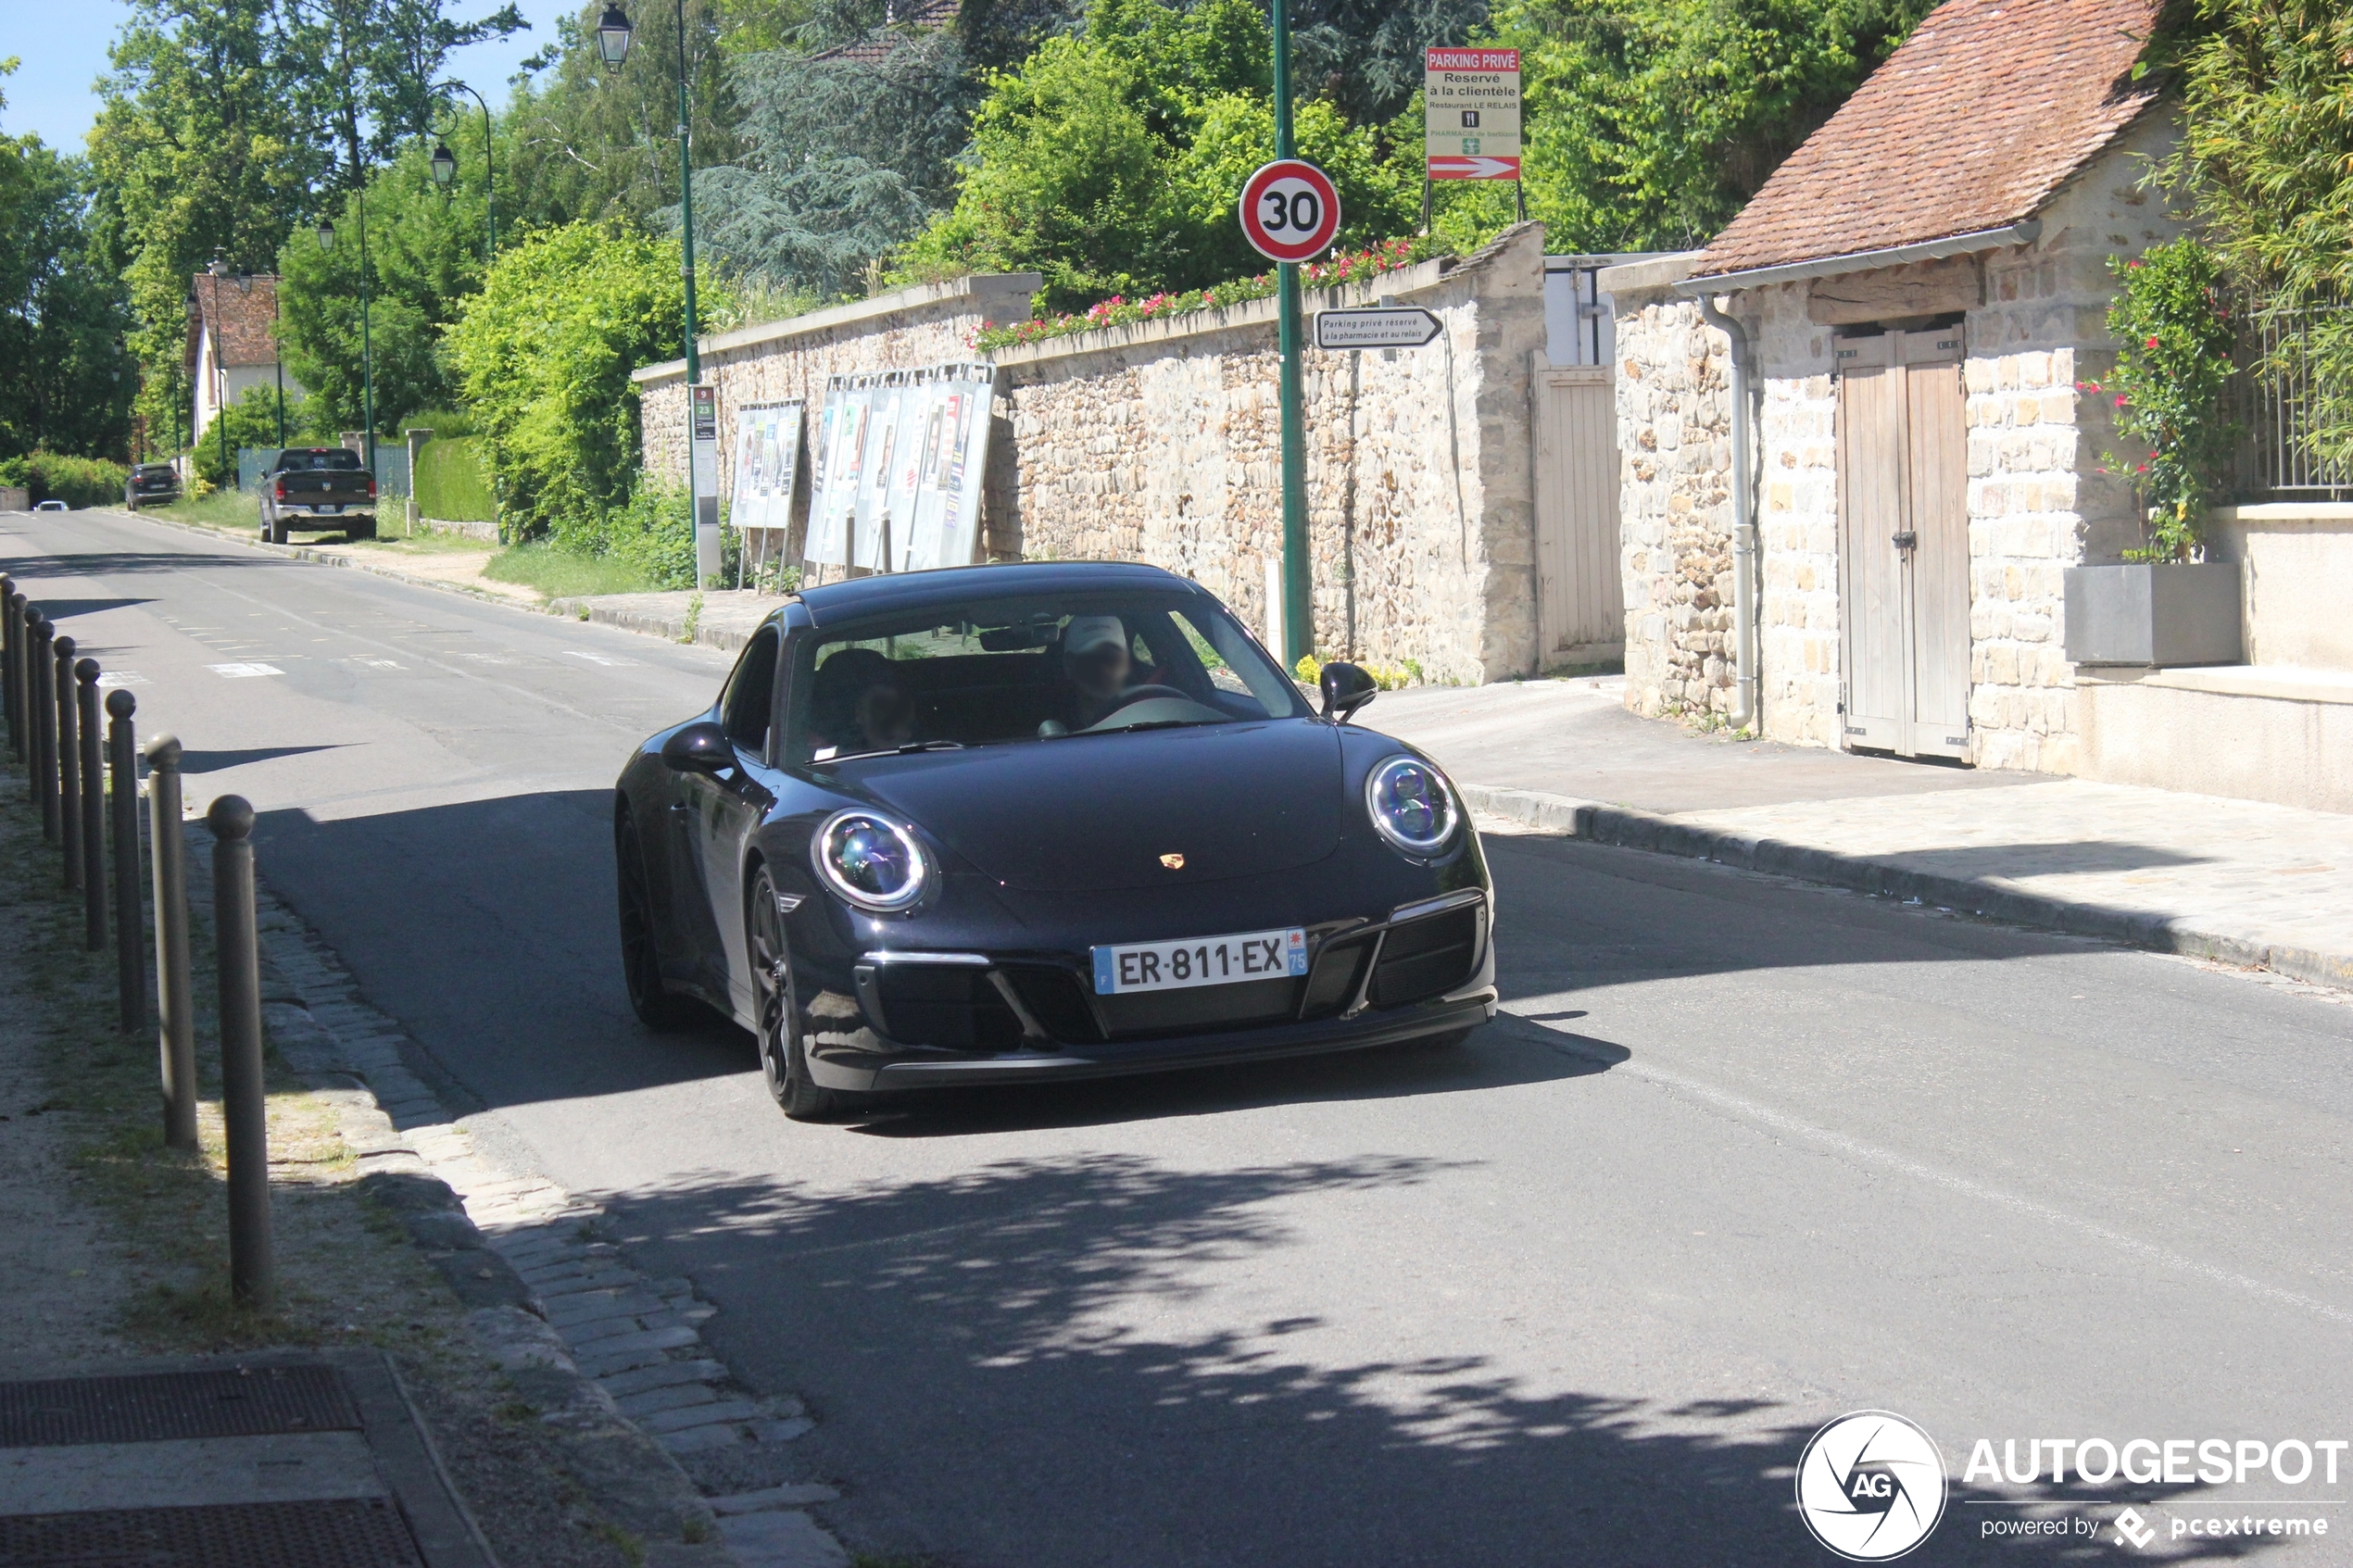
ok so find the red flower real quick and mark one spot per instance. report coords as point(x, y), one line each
point(2120, 400)
point(2152, 343)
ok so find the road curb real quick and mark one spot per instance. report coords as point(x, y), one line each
point(1626, 827)
point(723, 638)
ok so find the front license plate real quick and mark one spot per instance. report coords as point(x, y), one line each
point(1204, 960)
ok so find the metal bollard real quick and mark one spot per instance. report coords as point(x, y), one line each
point(92, 805)
point(68, 754)
point(242, 1108)
point(40, 674)
point(176, 1017)
point(9, 661)
point(130, 936)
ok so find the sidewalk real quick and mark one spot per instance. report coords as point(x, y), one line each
point(2239, 882)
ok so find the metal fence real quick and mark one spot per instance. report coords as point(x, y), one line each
point(2275, 412)
point(391, 468)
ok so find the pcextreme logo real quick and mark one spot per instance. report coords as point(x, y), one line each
point(1870, 1486)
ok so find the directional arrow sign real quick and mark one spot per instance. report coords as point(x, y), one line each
point(1408, 328)
point(1474, 169)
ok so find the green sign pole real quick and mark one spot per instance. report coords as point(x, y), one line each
point(1299, 599)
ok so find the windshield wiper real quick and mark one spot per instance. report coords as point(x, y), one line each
point(908, 750)
point(1147, 724)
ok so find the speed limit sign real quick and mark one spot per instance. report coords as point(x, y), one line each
point(1290, 210)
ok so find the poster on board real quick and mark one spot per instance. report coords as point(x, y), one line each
point(952, 455)
point(767, 466)
point(841, 439)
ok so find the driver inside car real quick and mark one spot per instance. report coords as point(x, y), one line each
point(1096, 663)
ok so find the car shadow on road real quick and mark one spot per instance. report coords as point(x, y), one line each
point(1054, 1360)
point(1491, 1059)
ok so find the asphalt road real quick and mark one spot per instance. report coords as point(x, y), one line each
point(1744, 1157)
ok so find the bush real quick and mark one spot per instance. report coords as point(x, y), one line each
point(654, 535)
point(2173, 333)
point(544, 352)
point(252, 421)
point(450, 482)
point(78, 482)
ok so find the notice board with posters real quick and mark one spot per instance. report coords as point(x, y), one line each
point(767, 466)
point(897, 481)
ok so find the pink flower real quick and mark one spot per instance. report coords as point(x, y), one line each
point(2120, 400)
point(2152, 343)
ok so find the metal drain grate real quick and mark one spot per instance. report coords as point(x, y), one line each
point(233, 1402)
point(354, 1533)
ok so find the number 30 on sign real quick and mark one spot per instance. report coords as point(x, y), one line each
point(1290, 210)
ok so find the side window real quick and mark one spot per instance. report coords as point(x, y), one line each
point(750, 697)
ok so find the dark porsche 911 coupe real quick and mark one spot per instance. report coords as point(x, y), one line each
point(1003, 823)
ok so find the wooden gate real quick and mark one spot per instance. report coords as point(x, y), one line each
point(1580, 592)
point(1903, 484)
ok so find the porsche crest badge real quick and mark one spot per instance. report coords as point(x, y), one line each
point(1173, 863)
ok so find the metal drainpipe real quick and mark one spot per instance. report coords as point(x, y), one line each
point(1744, 690)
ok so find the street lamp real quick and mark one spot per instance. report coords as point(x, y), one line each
point(367, 348)
point(612, 44)
point(445, 166)
point(612, 36)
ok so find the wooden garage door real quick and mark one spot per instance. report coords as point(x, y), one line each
point(1904, 542)
point(1580, 591)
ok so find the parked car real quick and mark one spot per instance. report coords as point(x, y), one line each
point(316, 482)
point(1010, 823)
point(51, 505)
point(151, 482)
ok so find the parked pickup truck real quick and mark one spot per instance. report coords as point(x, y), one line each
point(318, 482)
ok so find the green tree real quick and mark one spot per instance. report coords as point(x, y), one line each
point(542, 355)
point(424, 254)
point(1651, 122)
point(1111, 162)
point(2265, 154)
point(590, 144)
point(198, 151)
point(62, 315)
point(847, 153)
point(362, 73)
point(252, 421)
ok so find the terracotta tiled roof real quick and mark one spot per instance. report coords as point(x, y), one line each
point(928, 15)
point(1985, 110)
point(241, 312)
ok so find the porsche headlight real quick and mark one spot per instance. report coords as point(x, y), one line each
point(1411, 805)
point(871, 859)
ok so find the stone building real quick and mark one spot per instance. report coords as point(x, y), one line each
point(1920, 288)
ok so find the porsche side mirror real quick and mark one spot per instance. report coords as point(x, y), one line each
point(1346, 689)
point(701, 747)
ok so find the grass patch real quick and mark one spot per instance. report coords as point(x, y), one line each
point(566, 574)
point(224, 509)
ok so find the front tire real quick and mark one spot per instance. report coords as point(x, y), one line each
point(640, 957)
point(784, 1060)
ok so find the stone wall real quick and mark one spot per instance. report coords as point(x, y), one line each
point(2038, 501)
point(1161, 441)
point(1675, 515)
point(932, 324)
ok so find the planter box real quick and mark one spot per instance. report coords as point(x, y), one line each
point(2164, 616)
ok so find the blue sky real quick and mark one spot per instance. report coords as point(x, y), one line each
point(63, 46)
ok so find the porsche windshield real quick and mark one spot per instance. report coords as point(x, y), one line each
point(1039, 669)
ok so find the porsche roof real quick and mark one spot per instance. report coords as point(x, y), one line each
point(891, 591)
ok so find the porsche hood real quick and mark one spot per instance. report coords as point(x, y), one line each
point(1091, 813)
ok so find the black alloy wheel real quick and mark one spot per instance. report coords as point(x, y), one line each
point(641, 959)
point(783, 1061)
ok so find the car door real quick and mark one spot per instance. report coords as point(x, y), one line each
point(723, 812)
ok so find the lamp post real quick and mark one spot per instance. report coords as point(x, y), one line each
point(613, 36)
point(444, 170)
point(367, 353)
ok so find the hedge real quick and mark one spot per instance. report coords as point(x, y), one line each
point(78, 482)
point(449, 483)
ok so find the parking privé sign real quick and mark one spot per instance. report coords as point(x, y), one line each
point(1470, 100)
